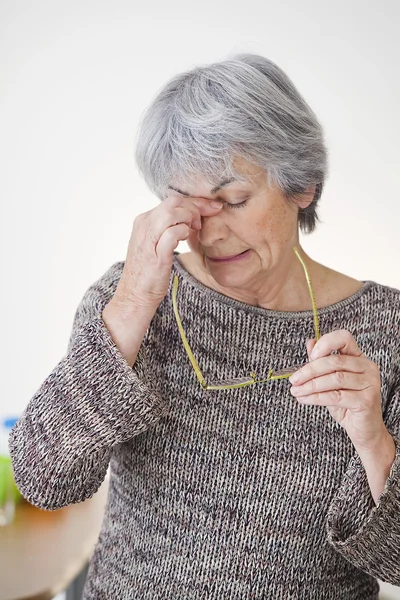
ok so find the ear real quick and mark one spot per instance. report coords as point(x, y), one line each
point(306, 197)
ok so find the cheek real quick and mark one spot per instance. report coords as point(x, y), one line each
point(274, 224)
point(272, 230)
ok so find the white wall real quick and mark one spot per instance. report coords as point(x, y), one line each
point(75, 78)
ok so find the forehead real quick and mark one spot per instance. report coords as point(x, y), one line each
point(248, 169)
point(252, 174)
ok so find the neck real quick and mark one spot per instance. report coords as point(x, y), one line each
point(283, 287)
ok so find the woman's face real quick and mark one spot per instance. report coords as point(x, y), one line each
point(254, 217)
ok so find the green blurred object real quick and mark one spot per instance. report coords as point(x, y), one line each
point(9, 493)
point(7, 482)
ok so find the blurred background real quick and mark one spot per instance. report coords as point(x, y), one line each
point(74, 80)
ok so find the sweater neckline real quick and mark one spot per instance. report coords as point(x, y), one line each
point(239, 305)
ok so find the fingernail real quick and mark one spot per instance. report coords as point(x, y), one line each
point(216, 204)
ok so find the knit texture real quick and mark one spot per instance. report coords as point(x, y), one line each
point(239, 494)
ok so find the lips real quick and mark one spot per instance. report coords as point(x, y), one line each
point(218, 258)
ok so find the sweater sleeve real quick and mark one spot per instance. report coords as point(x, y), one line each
point(366, 534)
point(61, 445)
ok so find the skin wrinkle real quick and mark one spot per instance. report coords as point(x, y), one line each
point(271, 276)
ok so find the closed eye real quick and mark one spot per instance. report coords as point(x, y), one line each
point(239, 205)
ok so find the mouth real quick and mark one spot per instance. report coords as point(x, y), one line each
point(230, 258)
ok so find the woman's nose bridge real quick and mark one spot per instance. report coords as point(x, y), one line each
point(212, 226)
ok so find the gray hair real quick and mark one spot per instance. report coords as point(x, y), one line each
point(245, 106)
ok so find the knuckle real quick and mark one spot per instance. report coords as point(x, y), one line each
point(186, 228)
point(172, 202)
point(336, 361)
point(169, 210)
point(338, 396)
point(347, 334)
point(138, 221)
point(339, 376)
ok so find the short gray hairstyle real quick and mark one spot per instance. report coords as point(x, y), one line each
point(243, 106)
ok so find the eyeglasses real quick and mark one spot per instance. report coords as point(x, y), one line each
point(252, 378)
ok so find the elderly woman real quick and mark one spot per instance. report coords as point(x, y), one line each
point(245, 396)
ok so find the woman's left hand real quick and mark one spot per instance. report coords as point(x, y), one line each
point(348, 384)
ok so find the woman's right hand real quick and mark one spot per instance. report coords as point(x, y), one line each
point(155, 235)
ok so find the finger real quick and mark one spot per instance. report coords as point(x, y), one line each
point(173, 212)
point(344, 398)
point(193, 201)
point(310, 345)
point(340, 340)
point(338, 380)
point(329, 364)
point(169, 241)
point(180, 200)
point(205, 207)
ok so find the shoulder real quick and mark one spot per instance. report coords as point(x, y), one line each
point(335, 287)
point(387, 298)
point(374, 308)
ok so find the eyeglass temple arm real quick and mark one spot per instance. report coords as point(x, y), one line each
point(316, 322)
point(196, 367)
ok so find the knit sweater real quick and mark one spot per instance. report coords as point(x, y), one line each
point(239, 494)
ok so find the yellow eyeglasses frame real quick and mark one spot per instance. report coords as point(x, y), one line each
point(242, 382)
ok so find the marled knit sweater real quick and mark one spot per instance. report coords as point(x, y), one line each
point(239, 494)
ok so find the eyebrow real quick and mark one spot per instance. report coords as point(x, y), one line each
point(221, 185)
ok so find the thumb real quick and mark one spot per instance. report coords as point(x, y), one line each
point(310, 345)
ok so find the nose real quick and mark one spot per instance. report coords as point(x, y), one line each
point(213, 230)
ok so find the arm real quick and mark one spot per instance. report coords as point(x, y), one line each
point(377, 463)
point(93, 399)
point(366, 533)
